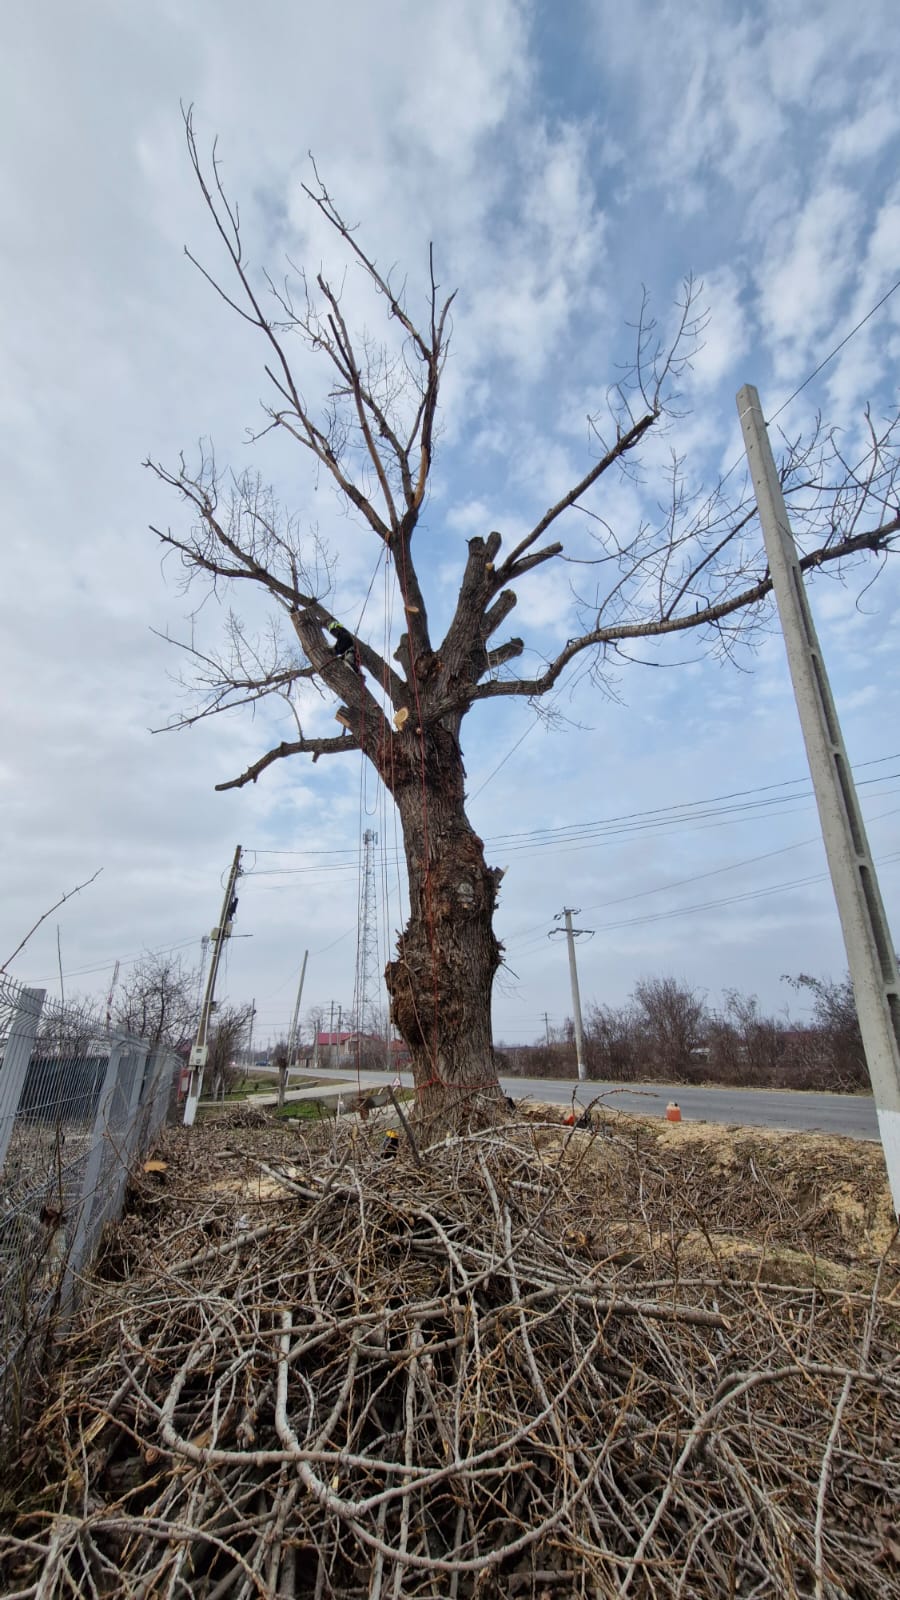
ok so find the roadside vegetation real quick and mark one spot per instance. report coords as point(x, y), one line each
point(667, 1031)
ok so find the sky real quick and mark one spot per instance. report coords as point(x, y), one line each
point(559, 156)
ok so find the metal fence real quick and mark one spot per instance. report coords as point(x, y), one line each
point(79, 1104)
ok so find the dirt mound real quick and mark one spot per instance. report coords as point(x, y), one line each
point(819, 1195)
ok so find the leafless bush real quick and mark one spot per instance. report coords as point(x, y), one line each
point(611, 1043)
point(159, 1001)
point(670, 1024)
point(834, 1038)
point(226, 1037)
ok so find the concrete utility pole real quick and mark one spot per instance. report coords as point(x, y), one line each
point(200, 1051)
point(201, 971)
point(547, 1027)
point(571, 935)
point(292, 1036)
point(867, 937)
point(109, 997)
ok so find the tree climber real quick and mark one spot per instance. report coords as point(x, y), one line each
point(344, 644)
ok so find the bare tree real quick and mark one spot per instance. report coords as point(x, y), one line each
point(226, 1037)
point(158, 1001)
point(72, 1029)
point(745, 1046)
point(612, 1046)
point(670, 1021)
point(280, 1059)
point(315, 1022)
point(833, 1045)
point(698, 565)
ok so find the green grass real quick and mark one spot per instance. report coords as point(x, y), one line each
point(313, 1109)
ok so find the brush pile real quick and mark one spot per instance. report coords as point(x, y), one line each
point(305, 1369)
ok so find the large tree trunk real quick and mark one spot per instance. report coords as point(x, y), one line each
point(440, 984)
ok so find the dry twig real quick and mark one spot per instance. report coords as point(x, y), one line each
point(324, 1373)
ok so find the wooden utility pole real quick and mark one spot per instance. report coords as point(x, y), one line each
point(867, 937)
point(200, 1051)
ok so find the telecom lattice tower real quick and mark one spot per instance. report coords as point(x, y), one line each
point(368, 978)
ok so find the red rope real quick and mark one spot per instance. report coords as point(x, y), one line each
point(360, 889)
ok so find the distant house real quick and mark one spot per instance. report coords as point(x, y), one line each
point(333, 1041)
point(345, 1048)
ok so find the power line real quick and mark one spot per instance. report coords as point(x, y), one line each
point(576, 838)
point(659, 812)
point(491, 775)
point(741, 458)
point(125, 961)
point(666, 819)
point(663, 813)
point(832, 353)
point(680, 883)
point(728, 900)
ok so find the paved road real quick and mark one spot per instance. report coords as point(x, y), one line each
point(848, 1114)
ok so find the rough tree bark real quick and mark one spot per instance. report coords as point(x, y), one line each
point(697, 567)
point(442, 980)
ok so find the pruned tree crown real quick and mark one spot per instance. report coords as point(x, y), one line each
point(697, 567)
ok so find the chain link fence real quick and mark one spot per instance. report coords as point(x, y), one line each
point(79, 1104)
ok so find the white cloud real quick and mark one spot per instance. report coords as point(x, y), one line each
point(866, 136)
point(717, 88)
point(727, 336)
point(704, 135)
point(807, 266)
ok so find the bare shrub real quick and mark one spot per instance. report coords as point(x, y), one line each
point(834, 1037)
point(611, 1042)
point(670, 1021)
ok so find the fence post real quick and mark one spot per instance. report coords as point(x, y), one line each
point(165, 1066)
point(91, 1180)
point(134, 1122)
point(16, 1057)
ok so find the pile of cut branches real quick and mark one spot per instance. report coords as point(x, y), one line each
point(307, 1369)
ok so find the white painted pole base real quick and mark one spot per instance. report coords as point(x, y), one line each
point(889, 1128)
